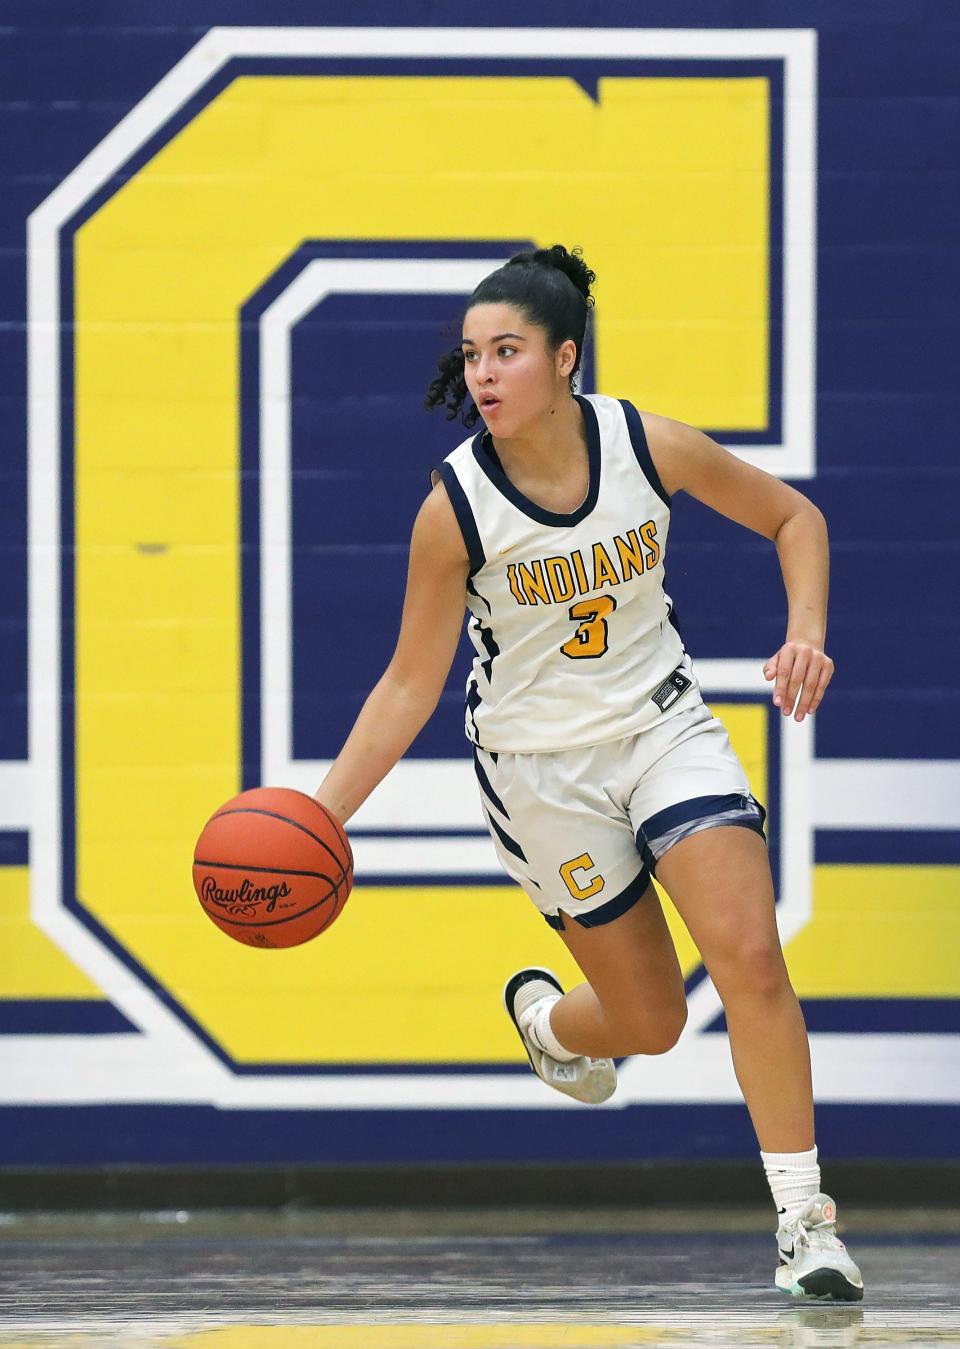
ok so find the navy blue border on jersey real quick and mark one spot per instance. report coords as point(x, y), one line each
point(486, 457)
point(465, 517)
point(641, 450)
point(587, 73)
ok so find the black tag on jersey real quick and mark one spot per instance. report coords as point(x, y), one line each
point(670, 690)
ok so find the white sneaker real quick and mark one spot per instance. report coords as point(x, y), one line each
point(813, 1260)
point(585, 1079)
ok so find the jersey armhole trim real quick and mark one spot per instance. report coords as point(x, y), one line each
point(465, 518)
point(641, 450)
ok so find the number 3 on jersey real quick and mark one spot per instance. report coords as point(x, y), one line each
point(590, 638)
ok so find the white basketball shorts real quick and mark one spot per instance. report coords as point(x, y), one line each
point(582, 830)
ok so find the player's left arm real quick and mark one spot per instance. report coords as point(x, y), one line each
point(687, 460)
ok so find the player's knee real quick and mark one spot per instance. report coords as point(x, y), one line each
point(668, 1031)
point(758, 970)
point(655, 1034)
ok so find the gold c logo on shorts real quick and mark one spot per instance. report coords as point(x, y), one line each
point(582, 863)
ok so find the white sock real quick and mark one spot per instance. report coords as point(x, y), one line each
point(794, 1177)
point(541, 1033)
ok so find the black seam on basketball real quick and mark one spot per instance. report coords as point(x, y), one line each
point(274, 815)
point(273, 871)
point(269, 922)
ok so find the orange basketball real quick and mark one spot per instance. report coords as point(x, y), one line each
point(272, 867)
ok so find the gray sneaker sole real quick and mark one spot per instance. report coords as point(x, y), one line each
point(510, 988)
point(827, 1285)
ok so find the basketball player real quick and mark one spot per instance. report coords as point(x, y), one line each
point(599, 765)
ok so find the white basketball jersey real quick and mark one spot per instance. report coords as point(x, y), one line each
point(572, 628)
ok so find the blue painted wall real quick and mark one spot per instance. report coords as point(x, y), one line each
point(888, 474)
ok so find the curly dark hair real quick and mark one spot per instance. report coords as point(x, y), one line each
point(551, 288)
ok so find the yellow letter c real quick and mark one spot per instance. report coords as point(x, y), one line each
point(581, 863)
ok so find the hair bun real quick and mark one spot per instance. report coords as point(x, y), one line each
point(562, 309)
point(571, 264)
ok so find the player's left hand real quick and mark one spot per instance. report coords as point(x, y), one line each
point(796, 666)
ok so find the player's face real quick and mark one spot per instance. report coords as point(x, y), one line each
point(506, 358)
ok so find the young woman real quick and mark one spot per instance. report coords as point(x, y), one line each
point(598, 763)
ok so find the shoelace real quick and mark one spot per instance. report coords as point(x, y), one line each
point(820, 1236)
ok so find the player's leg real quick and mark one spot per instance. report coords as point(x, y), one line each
point(563, 833)
point(700, 831)
point(634, 1000)
point(719, 880)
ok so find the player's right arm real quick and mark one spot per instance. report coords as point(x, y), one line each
point(409, 690)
